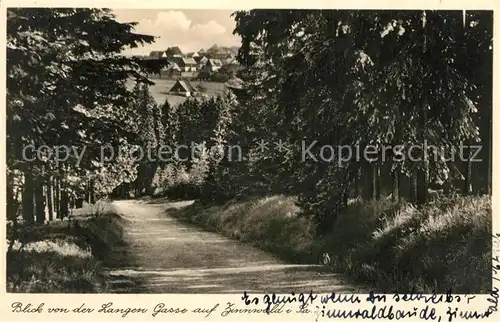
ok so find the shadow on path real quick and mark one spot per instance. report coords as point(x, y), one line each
point(172, 257)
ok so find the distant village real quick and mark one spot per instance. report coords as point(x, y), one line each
point(217, 64)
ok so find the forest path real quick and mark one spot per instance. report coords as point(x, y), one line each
point(172, 257)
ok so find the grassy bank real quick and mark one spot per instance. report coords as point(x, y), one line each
point(389, 246)
point(62, 256)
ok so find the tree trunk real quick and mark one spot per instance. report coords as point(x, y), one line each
point(28, 206)
point(57, 198)
point(63, 195)
point(64, 204)
point(39, 199)
point(413, 186)
point(72, 200)
point(12, 211)
point(376, 181)
point(87, 191)
point(91, 192)
point(50, 198)
point(358, 184)
point(421, 185)
point(368, 186)
point(423, 168)
point(396, 183)
point(12, 202)
point(468, 171)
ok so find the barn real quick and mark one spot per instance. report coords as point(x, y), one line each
point(183, 87)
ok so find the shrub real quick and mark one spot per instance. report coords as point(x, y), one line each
point(66, 256)
point(400, 247)
point(387, 245)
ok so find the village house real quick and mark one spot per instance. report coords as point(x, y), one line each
point(198, 59)
point(174, 52)
point(174, 66)
point(187, 64)
point(193, 55)
point(172, 70)
point(201, 61)
point(182, 87)
point(157, 54)
point(211, 66)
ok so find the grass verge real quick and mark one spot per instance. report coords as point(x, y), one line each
point(392, 247)
point(64, 257)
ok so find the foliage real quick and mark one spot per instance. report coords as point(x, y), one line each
point(197, 129)
point(201, 88)
point(361, 78)
point(49, 49)
point(219, 76)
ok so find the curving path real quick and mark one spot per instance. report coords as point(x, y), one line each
point(172, 257)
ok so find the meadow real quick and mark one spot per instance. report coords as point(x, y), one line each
point(161, 87)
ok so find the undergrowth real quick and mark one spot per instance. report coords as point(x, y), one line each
point(383, 244)
point(63, 256)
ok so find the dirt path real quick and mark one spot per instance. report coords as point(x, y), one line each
point(170, 256)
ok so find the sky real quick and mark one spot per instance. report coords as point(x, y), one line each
point(190, 30)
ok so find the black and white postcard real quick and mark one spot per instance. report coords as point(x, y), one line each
point(205, 161)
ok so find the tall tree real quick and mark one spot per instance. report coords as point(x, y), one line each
point(359, 78)
point(76, 50)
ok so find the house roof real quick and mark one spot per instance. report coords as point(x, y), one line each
point(156, 53)
point(173, 65)
point(176, 60)
point(175, 50)
point(185, 84)
point(188, 61)
point(193, 54)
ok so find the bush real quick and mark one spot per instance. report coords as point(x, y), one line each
point(66, 256)
point(387, 245)
point(219, 77)
point(398, 247)
point(201, 88)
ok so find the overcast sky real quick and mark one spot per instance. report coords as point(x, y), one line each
point(191, 30)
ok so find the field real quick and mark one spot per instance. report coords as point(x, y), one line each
point(162, 86)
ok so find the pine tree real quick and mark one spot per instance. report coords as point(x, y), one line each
point(355, 78)
point(49, 49)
